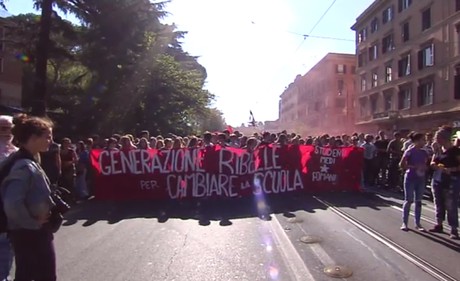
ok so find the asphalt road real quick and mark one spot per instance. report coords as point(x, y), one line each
point(248, 239)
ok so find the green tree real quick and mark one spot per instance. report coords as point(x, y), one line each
point(120, 70)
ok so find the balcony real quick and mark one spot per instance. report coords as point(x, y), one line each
point(380, 115)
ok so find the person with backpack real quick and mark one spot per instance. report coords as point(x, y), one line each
point(6, 149)
point(27, 201)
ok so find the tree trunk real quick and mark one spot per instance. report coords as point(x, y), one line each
point(39, 98)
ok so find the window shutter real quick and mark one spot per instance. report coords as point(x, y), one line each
point(400, 68)
point(457, 87)
point(419, 95)
point(420, 59)
point(344, 69)
point(400, 2)
point(432, 53)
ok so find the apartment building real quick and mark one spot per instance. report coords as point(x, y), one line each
point(408, 65)
point(322, 100)
point(10, 71)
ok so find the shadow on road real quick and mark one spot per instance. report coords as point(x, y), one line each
point(206, 210)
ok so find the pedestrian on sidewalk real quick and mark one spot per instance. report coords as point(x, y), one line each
point(413, 162)
point(446, 182)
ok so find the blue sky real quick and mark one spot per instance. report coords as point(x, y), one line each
point(248, 46)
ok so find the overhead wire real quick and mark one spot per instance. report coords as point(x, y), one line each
point(305, 36)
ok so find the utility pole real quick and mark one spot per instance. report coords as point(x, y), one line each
point(42, 51)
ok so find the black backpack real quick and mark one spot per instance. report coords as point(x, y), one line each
point(5, 169)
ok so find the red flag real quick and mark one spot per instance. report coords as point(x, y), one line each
point(230, 129)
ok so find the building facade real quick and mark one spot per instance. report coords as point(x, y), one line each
point(322, 100)
point(408, 65)
point(10, 71)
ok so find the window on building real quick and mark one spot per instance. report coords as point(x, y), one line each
point(457, 83)
point(426, 19)
point(362, 59)
point(341, 68)
point(374, 103)
point(373, 52)
point(375, 78)
point(317, 106)
point(362, 35)
point(425, 93)
point(340, 102)
point(405, 98)
point(457, 5)
point(374, 25)
point(340, 86)
point(363, 83)
point(2, 38)
point(404, 4)
point(457, 29)
point(388, 44)
point(387, 14)
point(405, 32)
point(404, 68)
point(388, 100)
point(353, 69)
point(388, 73)
point(363, 107)
point(1, 65)
point(426, 57)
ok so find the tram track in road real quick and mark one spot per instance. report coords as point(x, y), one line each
point(410, 256)
point(384, 196)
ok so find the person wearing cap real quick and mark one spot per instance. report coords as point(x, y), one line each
point(6, 149)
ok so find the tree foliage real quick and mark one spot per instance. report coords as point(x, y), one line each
point(120, 70)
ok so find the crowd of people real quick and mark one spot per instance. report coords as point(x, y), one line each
point(403, 163)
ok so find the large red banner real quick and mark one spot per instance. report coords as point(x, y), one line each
point(224, 172)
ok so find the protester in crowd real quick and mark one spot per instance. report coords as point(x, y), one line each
point(407, 142)
point(153, 142)
point(51, 162)
point(414, 162)
point(369, 161)
point(381, 165)
point(83, 163)
point(112, 144)
point(395, 153)
point(282, 139)
point(160, 144)
point(144, 134)
point(446, 182)
point(168, 142)
point(126, 143)
point(192, 142)
point(68, 167)
point(143, 144)
point(6, 149)
point(177, 143)
point(27, 202)
point(89, 169)
point(243, 141)
point(251, 144)
point(207, 139)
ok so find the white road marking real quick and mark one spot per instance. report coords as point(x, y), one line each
point(291, 257)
